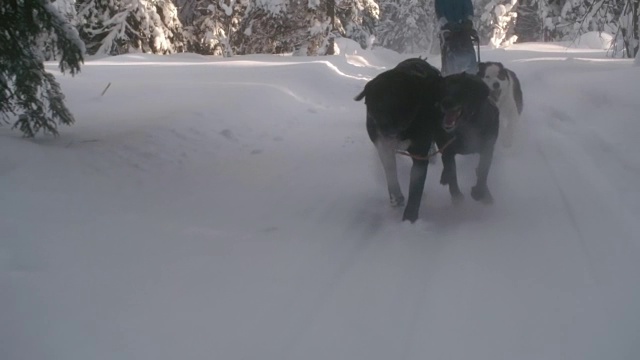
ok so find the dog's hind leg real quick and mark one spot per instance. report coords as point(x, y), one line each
point(387, 153)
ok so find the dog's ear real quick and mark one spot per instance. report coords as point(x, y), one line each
point(482, 68)
point(438, 85)
point(502, 75)
point(477, 88)
point(366, 90)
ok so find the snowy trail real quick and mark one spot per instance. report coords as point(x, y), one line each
point(208, 228)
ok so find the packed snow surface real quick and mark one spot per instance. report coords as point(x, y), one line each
point(223, 209)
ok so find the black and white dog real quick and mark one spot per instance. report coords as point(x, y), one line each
point(411, 106)
point(507, 94)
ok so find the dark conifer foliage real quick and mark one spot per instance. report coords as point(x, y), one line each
point(30, 97)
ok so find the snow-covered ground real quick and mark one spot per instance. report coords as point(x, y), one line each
point(227, 209)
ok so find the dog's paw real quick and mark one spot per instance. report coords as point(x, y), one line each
point(481, 194)
point(396, 201)
point(410, 216)
point(457, 198)
point(444, 178)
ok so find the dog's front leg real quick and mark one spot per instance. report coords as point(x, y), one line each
point(387, 153)
point(509, 119)
point(416, 188)
point(450, 177)
point(480, 192)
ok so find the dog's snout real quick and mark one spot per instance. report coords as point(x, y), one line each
point(447, 103)
point(496, 85)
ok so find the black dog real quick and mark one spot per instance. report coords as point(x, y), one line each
point(412, 105)
point(470, 126)
point(402, 113)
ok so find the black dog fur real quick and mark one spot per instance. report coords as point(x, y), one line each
point(401, 110)
point(410, 106)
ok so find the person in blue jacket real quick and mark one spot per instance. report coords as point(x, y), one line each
point(454, 12)
point(455, 18)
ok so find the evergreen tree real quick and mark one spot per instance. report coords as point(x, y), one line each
point(280, 27)
point(186, 10)
point(556, 20)
point(357, 20)
point(496, 23)
point(112, 27)
point(47, 40)
point(629, 23)
point(26, 89)
point(528, 26)
point(264, 29)
point(407, 26)
point(619, 18)
point(209, 25)
point(303, 28)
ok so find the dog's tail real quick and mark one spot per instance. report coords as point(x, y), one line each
point(361, 95)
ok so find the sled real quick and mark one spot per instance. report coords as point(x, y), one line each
point(457, 49)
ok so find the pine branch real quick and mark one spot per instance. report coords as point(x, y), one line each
point(25, 86)
point(67, 39)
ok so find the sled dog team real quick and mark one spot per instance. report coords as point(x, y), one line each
point(413, 106)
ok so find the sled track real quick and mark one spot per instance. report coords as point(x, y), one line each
point(330, 288)
point(568, 209)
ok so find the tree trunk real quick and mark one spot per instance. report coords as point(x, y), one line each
point(636, 34)
point(331, 12)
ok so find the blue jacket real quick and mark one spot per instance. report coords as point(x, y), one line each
point(454, 11)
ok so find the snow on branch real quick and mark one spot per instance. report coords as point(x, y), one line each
point(67, 38)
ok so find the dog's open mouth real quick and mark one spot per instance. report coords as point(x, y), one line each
point(451, 117)
point(495, 94)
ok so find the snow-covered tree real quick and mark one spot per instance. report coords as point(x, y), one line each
point(528, 26)
point(47, 40)
point(26, 89)
point(112, 27)
point(357, 20)
point(281, 26)
point(555, 20)
point(303, 27)
point(186, 10)
point(496, 23)
point(211, 24)
point(407, 26)
point(619, 18)
point(271, 27)
point(629, 23)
